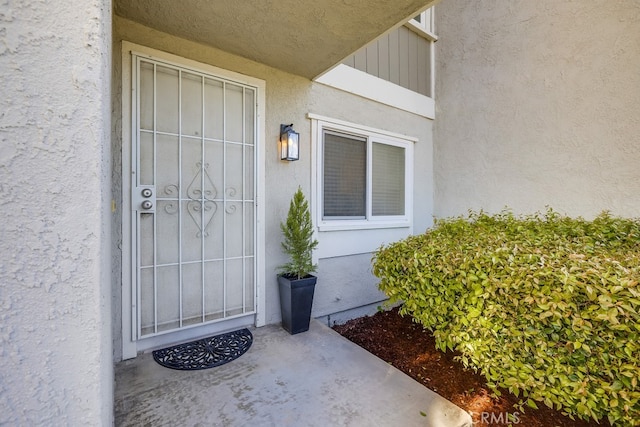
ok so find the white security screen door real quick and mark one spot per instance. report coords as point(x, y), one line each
point(193, 203)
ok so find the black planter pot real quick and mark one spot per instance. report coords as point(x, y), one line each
point(296, 300)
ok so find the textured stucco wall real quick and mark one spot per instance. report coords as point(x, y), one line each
point(538, 103)
point(288, 99)
point(55, 320)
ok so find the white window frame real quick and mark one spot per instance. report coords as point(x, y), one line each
point(319, 125)
point(426, 26)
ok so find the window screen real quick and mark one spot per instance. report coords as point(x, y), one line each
point(345, 175)
point(388, 180)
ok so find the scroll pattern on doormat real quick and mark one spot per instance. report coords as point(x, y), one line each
point(205, 353)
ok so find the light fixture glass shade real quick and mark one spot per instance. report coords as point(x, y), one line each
point(289, 143)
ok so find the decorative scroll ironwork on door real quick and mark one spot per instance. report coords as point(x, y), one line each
point(202, 207)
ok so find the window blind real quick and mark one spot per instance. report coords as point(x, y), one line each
point(345, 175)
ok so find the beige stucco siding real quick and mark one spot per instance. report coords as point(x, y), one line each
point(55, 280)
point(289, 99)
point(538, 103)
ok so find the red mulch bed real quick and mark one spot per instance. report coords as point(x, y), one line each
point(410, 348)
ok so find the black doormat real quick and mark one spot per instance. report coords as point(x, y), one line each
point(205, 353)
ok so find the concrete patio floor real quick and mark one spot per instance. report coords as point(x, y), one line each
point(317, 378)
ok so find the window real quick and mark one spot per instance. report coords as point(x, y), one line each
point(344, 176)
point(424, 24)
point(363, 176)
point(388, 177)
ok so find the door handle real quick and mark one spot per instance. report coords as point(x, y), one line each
point(146, 205)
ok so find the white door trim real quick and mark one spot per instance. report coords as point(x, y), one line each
point(130, 347)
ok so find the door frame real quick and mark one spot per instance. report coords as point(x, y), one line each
point(131, 346)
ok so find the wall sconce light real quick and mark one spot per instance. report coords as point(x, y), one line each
point(289, 143)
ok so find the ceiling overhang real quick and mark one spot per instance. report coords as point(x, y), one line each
point(303, 37)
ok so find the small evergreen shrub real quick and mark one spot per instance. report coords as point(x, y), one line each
point(298, 242)
point(544, 305)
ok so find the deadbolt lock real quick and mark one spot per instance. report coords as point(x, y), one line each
point(147, 193)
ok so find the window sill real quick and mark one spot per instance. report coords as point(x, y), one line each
point(419, 30)
point(360, 225)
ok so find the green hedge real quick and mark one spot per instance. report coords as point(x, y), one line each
point(544, 305)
